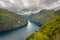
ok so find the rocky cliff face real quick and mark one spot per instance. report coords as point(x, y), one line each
point(43, 16)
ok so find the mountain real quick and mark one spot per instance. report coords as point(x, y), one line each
point(43, 16)
point(50, 30)
point(10, 20)
point(58, 11)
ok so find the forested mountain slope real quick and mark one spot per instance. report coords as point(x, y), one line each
point(50, 30)
point(10, 20)
point(43, 16)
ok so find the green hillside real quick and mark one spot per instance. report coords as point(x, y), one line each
point(50, 29)
point(10, 20)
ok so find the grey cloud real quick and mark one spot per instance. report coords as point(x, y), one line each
point(29, 5)
point(49, 2)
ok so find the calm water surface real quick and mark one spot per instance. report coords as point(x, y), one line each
point(21, 33)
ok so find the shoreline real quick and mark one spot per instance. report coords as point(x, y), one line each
point(39, 24)
point(9, 31)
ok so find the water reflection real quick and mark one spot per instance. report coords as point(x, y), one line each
point(21, 33)
point(29, 25)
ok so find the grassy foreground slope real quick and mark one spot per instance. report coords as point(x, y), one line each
point(10, 20)
point(49, 31)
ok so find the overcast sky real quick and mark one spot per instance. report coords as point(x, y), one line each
point(23, 5)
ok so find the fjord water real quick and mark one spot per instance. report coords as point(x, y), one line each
point(21, 33)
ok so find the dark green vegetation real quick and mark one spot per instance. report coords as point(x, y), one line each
point(50, 30)
point(10, 20)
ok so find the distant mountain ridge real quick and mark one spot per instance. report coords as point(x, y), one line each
point(43, 16)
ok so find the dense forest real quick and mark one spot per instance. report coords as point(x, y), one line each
point(50, 29)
